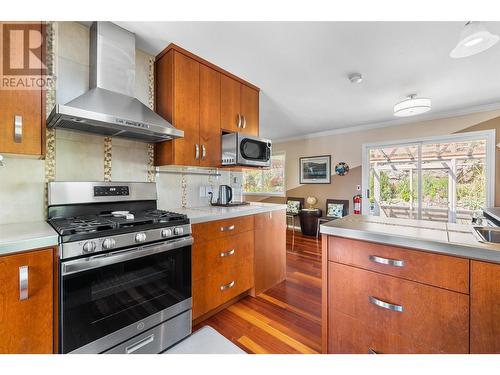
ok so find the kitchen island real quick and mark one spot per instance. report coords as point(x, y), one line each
point(408, 286)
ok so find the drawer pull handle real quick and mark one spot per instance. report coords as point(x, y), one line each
point(23, 283)
point(385, 305)
point(371, 351)
point(387, 261)
point(239, 121)
point(139, 344)
point(227, 286)
point(227, 229)
point(18, 129)
point(196, 151)
point(227, 253)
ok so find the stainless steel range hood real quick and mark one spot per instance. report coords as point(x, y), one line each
point(110, 107)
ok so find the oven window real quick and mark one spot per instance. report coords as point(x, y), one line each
point(254, 150)
point(101, 301)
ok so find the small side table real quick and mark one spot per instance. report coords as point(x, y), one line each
point(309, 221)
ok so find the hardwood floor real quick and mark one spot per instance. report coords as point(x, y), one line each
point(286, 318)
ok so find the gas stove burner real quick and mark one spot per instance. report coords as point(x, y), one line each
point(164, 216)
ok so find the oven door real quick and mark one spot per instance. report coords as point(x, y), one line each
point(254, 151)
point(109, 298)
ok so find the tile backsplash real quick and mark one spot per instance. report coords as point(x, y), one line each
point(80, 156)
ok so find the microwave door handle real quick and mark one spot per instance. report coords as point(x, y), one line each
point(84, 264)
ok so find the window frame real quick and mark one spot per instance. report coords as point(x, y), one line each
point(488, 135)
point(271, 194)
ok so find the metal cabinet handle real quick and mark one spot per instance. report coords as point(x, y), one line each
point(196, 151)
point(239, 121)
point(385, 305)
point(227, 229)
point(23, 283)
point(227, 253)
point(203, 152)
point(387, 261)
point(18, 129)
point(371, 351)
point(244, 122)
point(139, 344)
point(227, 286)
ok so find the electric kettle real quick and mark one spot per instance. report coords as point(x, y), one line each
point(225, 194)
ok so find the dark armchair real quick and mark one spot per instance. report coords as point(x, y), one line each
point(332, 211)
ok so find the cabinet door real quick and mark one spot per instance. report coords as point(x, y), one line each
point(210, 134)
point(485, 308)
point(230, 104)
point(26, 321)
point(187, 109)
point(250, 110)
point(23, 105)
point(270, 250)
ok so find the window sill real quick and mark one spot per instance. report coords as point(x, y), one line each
point(266, 194)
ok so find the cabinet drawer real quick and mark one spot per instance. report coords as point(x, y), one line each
point(434, 318)
point(222, 228)
point(439, 270)
point(215, 290)
point(222, 255)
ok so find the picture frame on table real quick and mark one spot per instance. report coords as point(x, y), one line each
point(315, 169)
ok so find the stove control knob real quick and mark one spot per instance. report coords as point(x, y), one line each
point(89, 247)
point(140, 237)
point(108, 243)
point(166, 233)
point(178, 231)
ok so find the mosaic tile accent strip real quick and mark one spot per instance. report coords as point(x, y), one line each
point(151, 103)
point(183, 191)
point(107, 158)
point(50, 101)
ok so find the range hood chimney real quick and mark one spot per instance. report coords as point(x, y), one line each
point(110, 107)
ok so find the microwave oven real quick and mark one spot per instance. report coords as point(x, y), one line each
point(241, 149)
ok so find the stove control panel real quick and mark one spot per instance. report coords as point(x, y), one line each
point(108, 243)
point(166, 233)
point(107, 191)
point(178, 231)
point(89, 247)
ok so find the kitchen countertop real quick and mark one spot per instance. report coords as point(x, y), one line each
point(211, 213)
point(26, 236)
point(438, 237)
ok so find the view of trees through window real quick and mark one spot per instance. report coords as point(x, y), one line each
point(266, 181)
point(452, 176)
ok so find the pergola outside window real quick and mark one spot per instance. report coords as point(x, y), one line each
point(446, 179)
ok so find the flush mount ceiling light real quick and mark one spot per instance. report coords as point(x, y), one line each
point(412, 106)
point(355, 77)
point(474, 39)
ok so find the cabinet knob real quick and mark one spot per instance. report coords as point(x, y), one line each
point(18, 129)
point(227, 286)
point(227, 253)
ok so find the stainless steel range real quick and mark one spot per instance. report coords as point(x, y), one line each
point(125, 268)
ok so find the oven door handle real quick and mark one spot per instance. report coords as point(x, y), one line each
point(84, 264)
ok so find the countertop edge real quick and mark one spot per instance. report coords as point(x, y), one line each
point(230, 215)
point(443, 248)
point(28, 244)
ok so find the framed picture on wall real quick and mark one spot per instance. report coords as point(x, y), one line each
point(315, 170)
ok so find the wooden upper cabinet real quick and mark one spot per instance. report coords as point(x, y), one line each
point(250, 110)
point(485, 308)
point(239, 107)
point(230, 104)
point(180, 104)
point(22, 109)
point(26, 319)
point(203, 100)
point(210, 114)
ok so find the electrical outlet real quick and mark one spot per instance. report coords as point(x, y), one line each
point(358, 187)
point(203, 191)
point(208, 190)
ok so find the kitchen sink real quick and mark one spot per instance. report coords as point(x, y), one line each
point(487, 234)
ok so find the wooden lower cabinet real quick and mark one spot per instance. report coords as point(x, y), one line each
point(485, 307)
point(406, 301)
point(26, 321)
point(270, 250)
point(420, 318)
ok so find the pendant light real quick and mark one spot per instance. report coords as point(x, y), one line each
point(412, 106)
point(474, 39)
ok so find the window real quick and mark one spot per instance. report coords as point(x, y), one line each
point(440, 178)
point(269, 181)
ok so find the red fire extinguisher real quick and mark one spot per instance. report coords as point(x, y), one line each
point(357, 204)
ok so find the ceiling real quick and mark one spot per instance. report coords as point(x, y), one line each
point(302, 68)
